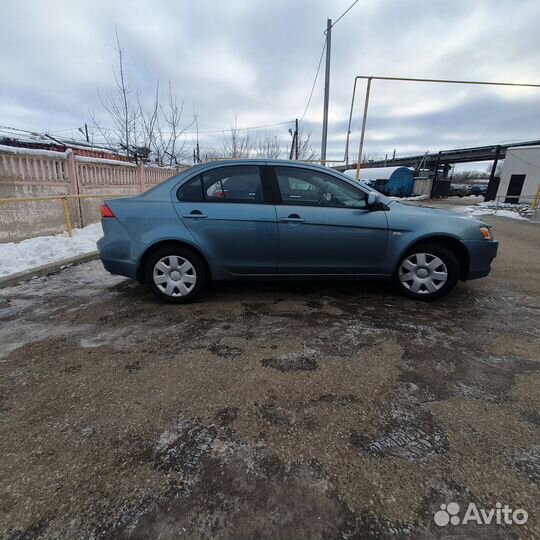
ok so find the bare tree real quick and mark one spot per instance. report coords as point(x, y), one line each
point(268, 146)
point(149, 120)
point(162, 130)
point(121, 111)
point(172, 138)
point(211, 153)
point(153, 132)
point(467, 175)
point(238, 143)
point(305, 147)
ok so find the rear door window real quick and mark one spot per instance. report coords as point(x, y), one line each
point(233, 184)
point(241, 184)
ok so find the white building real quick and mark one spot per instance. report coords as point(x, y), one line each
point(520, 176)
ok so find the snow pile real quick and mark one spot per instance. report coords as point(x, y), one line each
point(508, 210)
point(33, 152)
point(33, 252)
point(413, 198)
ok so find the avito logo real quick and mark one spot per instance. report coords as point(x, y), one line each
point(500, 515)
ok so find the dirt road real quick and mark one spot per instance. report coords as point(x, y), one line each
point(270, 410)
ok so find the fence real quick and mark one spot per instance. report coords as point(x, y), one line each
point(43, 177)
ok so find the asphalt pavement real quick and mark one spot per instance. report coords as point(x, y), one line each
point(270, 410)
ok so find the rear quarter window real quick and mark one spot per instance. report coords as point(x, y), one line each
point(191, 191)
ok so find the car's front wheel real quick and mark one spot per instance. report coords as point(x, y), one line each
point(175, 274)
point(427, 272)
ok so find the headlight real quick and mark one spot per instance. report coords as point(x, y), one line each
point(486, 233)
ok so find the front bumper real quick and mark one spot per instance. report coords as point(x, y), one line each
point(481, 254)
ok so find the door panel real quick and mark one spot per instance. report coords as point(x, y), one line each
point(241, 236)
point(514, 188)
point(331, 240)
point(325, 227)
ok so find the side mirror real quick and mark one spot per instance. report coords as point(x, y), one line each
point(373, 200)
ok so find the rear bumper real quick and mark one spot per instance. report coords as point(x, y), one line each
point(481, 254)
point(113, 258)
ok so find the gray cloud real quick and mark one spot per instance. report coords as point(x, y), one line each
point(258, 59)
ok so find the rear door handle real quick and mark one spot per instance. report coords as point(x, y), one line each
point(195, 214)
point(293, 218)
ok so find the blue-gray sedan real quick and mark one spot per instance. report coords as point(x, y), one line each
point(271, 219)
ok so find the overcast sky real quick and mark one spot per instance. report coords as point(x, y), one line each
point(258, 59)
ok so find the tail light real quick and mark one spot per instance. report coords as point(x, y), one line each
point(106, 212)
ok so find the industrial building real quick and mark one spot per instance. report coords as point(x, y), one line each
point(520, 176)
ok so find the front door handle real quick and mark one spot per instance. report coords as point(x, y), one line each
point(293, 218)
point(195, 214)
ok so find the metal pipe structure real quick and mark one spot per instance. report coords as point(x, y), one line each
point(410, 79)
point(362, 133)
point(326, 90)
point(491, 184)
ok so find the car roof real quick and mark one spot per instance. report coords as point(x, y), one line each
point(262, 161)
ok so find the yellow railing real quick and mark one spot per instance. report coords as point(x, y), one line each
point(536, 198)
point(64, 200)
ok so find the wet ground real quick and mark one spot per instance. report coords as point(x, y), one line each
point(270, 410)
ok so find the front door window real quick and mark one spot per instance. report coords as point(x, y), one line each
point(303, 187)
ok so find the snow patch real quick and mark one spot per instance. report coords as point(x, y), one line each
point(104, 161)
point(413, 198)
point(21, 256)
point(34, 152)
point(491, 208)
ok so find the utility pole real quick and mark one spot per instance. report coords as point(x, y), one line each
point(326, 90)
point(196, 151)
point(296, 139)
point(85, 132)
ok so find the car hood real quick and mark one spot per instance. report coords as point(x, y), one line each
point(431, 211)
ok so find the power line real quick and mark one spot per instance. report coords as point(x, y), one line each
point(242, 129)
point(314, 81)
point(222, 130)
point(344, 13)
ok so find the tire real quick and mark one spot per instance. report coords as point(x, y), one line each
point(175, 274)
point(433, 270)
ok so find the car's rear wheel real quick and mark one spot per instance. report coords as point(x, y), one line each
point(427, 272)
point(175, 274)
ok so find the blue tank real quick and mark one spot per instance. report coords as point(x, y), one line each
point(391, 181)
